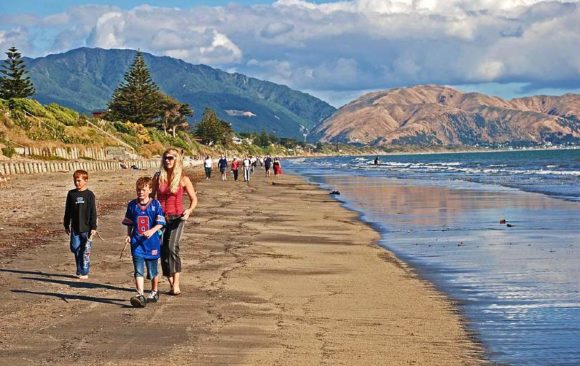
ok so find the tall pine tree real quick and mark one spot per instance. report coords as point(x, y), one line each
point(137, 98)
point(212, 130)
point(14, 79)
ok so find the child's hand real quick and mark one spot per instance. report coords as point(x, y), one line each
point(127, 239)
point(149, 233)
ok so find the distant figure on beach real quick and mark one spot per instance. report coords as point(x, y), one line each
point(144, 220)
point(268, 165)
point(207, 164)
point(80, 222)
point(254, 162)
point(247, 163)
point(277, 165)
point(168, 187)
point(223, 166)
point(377, 160)
point(235, 167)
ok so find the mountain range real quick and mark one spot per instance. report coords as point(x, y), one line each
point(431, 115)
point(84, 79)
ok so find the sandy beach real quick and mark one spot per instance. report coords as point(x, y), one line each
point(274, 274)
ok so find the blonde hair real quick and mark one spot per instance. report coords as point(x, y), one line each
point(175, 178)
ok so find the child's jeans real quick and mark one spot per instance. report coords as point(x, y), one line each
point(80, 245)
point(139, 265)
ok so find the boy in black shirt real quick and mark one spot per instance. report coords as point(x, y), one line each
point(80, 222)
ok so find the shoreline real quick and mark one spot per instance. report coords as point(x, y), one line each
point(273, 274)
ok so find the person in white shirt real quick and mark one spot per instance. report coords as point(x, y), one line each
point(207, 164)
point(247, 167)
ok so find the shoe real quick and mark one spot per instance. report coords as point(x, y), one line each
point(83, 277)
point(153, 296)
point(138, 301)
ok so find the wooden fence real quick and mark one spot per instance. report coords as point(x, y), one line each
point(12, 168)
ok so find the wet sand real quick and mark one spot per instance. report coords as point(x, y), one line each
point(274, 274)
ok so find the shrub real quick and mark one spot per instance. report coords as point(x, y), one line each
point(8, 151)
point(64, 115)
point(30, 106)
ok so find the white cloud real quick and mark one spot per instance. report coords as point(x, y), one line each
point(342, 47)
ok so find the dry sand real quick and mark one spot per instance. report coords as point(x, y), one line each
point(274, 274)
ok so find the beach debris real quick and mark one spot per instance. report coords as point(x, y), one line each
point(335, 193)
point(461, 244)
point(510, 225)
point(502, 221)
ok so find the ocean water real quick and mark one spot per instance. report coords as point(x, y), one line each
point(517, 284)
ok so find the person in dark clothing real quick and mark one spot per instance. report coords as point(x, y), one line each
point(80, 222)
point(223, 166)
point(268, 165)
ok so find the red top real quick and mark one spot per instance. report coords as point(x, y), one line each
point(172, 203)
point(235, 164)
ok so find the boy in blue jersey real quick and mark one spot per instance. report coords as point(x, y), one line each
point(144, 219)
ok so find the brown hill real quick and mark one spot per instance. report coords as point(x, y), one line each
point(438, 115)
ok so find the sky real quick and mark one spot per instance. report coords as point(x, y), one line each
point(334, 50)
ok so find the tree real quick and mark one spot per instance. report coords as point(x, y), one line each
point(262, 139)
point(173, 114)
point(15, 82)
point(212, 130)
point(137, 98)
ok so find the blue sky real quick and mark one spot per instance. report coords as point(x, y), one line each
point(335, 50)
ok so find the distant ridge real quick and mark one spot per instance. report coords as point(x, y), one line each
point(85, 78)
point(430, 115)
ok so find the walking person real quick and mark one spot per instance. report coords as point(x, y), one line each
point(268, 165)
point(168, 187)
point(235, 167)
point(223, 166)
point(144, 218)
point(247, 169)
point(277, 166)
point(207, 164)
point(80, 222)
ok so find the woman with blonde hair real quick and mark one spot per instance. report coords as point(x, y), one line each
point(168, 187)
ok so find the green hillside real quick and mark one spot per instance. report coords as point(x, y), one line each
point(84, 79)
point(27, 123)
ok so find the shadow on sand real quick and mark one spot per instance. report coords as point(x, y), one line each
point(66, 298)
point(80, 284)
point(38, 273)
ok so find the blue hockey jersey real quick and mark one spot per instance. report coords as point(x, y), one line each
point(141, 219)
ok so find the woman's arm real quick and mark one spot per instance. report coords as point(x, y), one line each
point(188, 186)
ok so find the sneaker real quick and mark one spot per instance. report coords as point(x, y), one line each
point(138, 301)
point(153, 296)
point(83, 277)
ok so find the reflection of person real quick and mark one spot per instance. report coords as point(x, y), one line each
point(207, 164)
point(144, 218)
point(80, 222)
point(168, 186)
point(277, 166)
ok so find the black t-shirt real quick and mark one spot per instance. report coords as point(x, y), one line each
point(222, 163)
point(268, 162)
point(80, 211)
